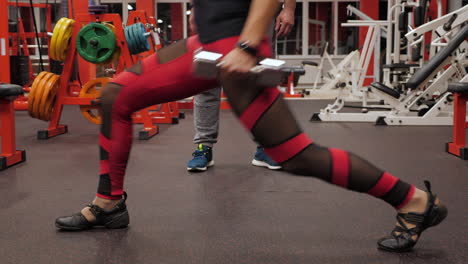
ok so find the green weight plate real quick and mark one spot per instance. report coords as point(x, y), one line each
point(95, 43)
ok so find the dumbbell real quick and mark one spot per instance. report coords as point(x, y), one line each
point(268, 73)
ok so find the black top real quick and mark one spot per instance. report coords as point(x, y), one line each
point(218, 19)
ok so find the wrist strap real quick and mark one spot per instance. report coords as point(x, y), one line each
point(244, 45)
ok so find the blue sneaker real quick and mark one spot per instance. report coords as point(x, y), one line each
point(263, 160)
point(202, 159)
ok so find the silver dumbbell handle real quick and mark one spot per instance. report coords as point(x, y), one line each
point(206, 65)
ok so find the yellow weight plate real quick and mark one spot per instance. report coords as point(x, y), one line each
point(64, 39)
point(53, 41)
point(35, 87)
point(48, 98)
point(60, 38)
point(44, 86)
point(92, 89)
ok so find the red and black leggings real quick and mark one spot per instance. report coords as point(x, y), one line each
point(167, 76)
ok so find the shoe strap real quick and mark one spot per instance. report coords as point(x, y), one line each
point(418, 219)
point(98, 211)
point(402, 231)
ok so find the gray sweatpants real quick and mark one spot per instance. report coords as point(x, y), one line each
point(206, 116)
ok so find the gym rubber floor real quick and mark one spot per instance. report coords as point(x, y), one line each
point(234, 212)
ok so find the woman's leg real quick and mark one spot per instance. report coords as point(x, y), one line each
point(163, 77)
point(265, 114)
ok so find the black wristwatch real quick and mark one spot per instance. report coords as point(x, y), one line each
point(244, 45)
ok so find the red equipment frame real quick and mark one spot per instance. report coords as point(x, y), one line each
point(66, 95)
point(458, 146)
point(21, 102)
point(10, 155)
point(167, 113)
point(68, 92)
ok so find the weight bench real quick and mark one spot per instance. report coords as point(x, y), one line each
point(458, 146)
point(291, 75)
point(9, 156)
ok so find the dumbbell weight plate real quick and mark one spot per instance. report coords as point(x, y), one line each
point(143, 40)
point(43, 87)
point(63, 39)
point(60, 38)
point(117, 51)
point(90, 90)
point(130, 40)
point(35, 87)
point(47, 99)
point(135, 39)
point(96, 43)
point(135, 33)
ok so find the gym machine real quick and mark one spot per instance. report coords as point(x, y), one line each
point(427, 102)
point(406, 102)
point(458, 147)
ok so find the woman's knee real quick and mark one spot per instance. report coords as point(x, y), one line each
point(111, 104)
point(110, 92)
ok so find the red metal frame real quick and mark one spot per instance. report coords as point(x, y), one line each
point(290, 88)
point(21, 102)
point(10, 155)
point(167, 113)
point(458, 147)
point(66, 95)
point(68, 92)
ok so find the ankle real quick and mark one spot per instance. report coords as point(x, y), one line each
point(417, 203)
point(105, 204)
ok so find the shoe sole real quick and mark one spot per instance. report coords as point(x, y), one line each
point(211, 163)
point(120, 221)
point(67, 228)
point(442, 214)
point(265, 165)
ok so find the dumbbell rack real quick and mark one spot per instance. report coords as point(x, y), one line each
point(67, 93)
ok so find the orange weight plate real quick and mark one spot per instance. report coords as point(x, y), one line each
point(36, 91)
point(48, 98)
point(92, 89)
point(32, 92)
point(44, 86)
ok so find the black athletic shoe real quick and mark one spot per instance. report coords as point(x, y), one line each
point(116, 218)
point(400, 240)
